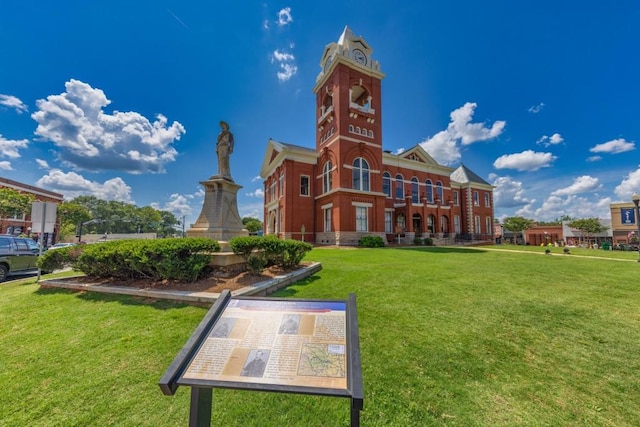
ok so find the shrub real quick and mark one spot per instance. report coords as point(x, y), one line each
point(371, 242)
point(184, 260)
point(57, 259)
point(286, 254)
point(417, 241)
point(244, 246)
point(256, 263)
point(566, 250)
point(428, 241)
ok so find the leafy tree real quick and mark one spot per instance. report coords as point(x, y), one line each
point(588, 227)
point(517, 224)
point(70, 215)
point(252, 224)
point(168, 222)
point(13, 203)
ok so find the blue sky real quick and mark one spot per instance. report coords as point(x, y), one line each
point(122, 99)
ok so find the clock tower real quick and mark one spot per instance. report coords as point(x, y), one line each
point(349, 137)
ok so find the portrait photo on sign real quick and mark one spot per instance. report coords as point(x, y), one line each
point(290, 324)
point(223, 327)
point(256, 362)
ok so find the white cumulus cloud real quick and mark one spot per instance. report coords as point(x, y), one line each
point(87, 137)
point(629, 185)
point(508, 193)
point(582, 184)
point(9, 147)
point(526, 161)
point(72, 185)
point(13, 102)
point(5, 165)
point(615, 146)
point(284, 16)
point(444, 146)
point(257, 193)
point(286, 61)
point(42, 164)
point(554, 139)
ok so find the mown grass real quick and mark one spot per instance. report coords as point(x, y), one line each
point(449, 336)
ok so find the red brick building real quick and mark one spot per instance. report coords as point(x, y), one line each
point(21, 224)
point(348, 186)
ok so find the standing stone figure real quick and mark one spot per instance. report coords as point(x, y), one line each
point(224, 148)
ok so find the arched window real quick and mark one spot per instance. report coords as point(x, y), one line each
point(439, 192)
point(386, 184)
point(371, 133)
point(444, 224)
point(399, 187)
point(429, 191)
point(357, 129)
point(360, 174)
point(351, 129)
point(415, 192)
point(327, 177)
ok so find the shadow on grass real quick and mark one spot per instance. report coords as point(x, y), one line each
point(442, 249)
point(159, 304)
point(292, 290)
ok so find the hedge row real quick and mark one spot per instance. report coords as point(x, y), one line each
point(261, 252)
point(185, 260)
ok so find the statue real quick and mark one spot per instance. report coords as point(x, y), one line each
point(224, 148)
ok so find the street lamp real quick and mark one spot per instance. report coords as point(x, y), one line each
point(636, 201)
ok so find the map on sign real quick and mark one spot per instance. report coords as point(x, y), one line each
point(282, 342)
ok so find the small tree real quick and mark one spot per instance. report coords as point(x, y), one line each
point(13, 203)
point(588, 227)
point(517, 224)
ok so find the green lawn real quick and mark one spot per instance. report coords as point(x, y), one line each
point(449, 336)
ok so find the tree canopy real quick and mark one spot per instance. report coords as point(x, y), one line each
point(588, 226)
point(115, 217)
point(13, 203)
point(517, 224)
point(252, 225)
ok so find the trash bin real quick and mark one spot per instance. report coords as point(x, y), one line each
point(606, 246)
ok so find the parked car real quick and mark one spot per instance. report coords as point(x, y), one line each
point(17, 256)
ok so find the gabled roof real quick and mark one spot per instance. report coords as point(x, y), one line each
point(420, 153)
point(464, 175)
point(277, 152)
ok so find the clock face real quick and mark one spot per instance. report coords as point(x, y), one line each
point(359, 56)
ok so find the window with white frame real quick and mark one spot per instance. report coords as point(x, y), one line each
point(362, 220)
point(399, 187)
point(439, 192)
point(456, 224)
point(400, 222)
point(360, 174)
point(272, 190)
point(487, 202)
point(388, 221)
point(415, 191)
point(281, 184)
point(476, 200)
point(444, 224)
point(327, 218)
point(304, 185)
point(431, 223)
point(456, 201)
point(386, 184)
point(489, 225)
point(327, 180)
point(477, 224)
point(429, 191)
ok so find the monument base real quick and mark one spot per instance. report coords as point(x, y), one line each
point(219, 218)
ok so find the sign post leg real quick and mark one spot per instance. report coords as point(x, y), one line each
point(356, 407)
point(200, 412)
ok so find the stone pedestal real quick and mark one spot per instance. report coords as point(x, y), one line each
point(219, 218)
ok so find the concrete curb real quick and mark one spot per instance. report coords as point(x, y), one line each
point(259, 289)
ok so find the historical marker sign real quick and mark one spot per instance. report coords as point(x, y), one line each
point(284, 345)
